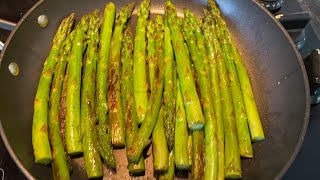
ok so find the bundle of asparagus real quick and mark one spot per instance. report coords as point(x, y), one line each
point(200, 114)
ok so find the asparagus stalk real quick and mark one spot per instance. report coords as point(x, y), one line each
point(90, 144)
point(188, 89)
point(159, 141)
point(196, 23)
point(215, 85)
point(181, 134)
point(198, 157)
point(114, 101)
point(254, 122)
point(240, 112)
point(168, 92)
point(105, 147)
point(232, 155)
point(210, 128)
point(139, 65)
point(159, 145)
point(73, 122)
point(40, 137)
point(59, 163)
point(142, 138)
point(169, 175)
point(128, 98)
point(151, 49)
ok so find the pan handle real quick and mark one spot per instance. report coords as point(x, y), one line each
point(312, 64)
point(7, 25)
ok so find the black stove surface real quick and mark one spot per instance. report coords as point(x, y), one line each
point(305, 165)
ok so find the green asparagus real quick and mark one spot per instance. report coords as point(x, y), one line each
point(140, 84)
point(232, 154)
point(142, 138)
point(105, 147)
point(114, 97)
point(169, 175)
point(181, 134)
point(210, 128)
point(40, 138)
point(159, 145)
point(159, 141)
point(168, 95)
point(128, 102)
point(73, 122)
point(92, 160)
point(198, 158)
point(151, 51)
point(239, 109)
point(215, 85)
point(59, 163)
point(188, 89)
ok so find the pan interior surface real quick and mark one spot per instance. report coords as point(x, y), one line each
point(278, 79)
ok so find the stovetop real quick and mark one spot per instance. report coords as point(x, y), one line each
point(305, 165)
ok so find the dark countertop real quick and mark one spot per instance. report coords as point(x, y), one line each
point(305, 164)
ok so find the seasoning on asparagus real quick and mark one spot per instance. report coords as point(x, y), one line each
point(151, 51)
point(105, 147)
point(188, 89)
point(215, 86)
point(169, 97)
point(130, 114)
point(142, 138)
point(159, 140)
point(60, 168)
point(140, 84)
point(114, 97)
point(232, 154)
point(92, 160)
point(40, 138)
point(181, 134)
point(210, 128)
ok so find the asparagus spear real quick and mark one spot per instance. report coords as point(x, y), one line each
point(114, 100)
point(232, 155)
point(254, 122)
point(188, 89)
point(159, 140)
point(196, 23)
point(105, 147)
point(139, 65)
point(168, 94)
point(142, 138)
point(169, 175)
point(181, 134)
point(73, 122)
point(159, 145)
point(240, 112)
point(198, 157)
point(215, 85)
point(128, 98)
point(40, 138)
point(210, 128)
point(90, 144)
point(59, 164)
point(151, 49)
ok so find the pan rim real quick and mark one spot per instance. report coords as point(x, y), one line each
point(300, 61)
point(307, 94)
point(4, 138)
